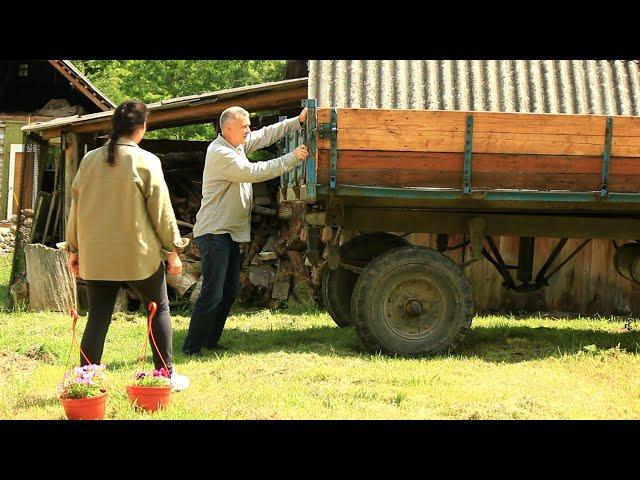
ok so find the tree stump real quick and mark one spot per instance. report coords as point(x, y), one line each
point(51, 284)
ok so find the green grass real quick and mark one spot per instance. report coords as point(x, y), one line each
point(5, 273)
point(299, 365)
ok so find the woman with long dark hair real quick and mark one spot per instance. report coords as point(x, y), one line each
point(122, 228)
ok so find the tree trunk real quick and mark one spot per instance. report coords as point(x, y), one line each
point(51, 284)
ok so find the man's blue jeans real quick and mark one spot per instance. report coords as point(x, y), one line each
point(220, 264)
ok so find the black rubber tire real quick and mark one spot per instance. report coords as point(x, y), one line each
point(337, 285)
point(403, 275)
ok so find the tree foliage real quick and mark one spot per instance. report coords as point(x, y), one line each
point(154, 80)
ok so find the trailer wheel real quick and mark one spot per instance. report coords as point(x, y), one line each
point(337, 285)
point(412, 301)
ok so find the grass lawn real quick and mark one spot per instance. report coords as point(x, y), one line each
point(299, 365)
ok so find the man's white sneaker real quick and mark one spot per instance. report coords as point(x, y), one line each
point(179, 382)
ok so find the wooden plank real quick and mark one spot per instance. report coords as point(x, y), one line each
point(516, 143)
point(575, 269)
point(422, 131)
point(599, 275)
point(634, 299)
point(485, 122)
point(622, 304)
point(583, 266)
point(481, 181)
point(490, 171)
point(509, 247)
point(610, 293)
point(482, 162)
point(72, 159)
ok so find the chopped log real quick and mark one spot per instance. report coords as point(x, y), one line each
point(251, 294)
point(296, 222)
point(183, 282)
point(302, 288)
point(285, 211)
point(185, 224)
point(51, 284)
point(269, 245)
point(267, 256)
point(261, 194)
point(264, 210)
point(191, 250)
point(259, 237)
point(195, 293)
point(280, 290)
point(282, 282)
point(262, 276)
point(316, 274)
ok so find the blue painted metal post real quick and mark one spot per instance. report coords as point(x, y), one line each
point(284, 178)
point(310, 130)
point(292, 146)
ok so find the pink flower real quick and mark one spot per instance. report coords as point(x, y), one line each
point(163, 372)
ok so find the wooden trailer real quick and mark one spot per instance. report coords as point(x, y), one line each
point(480, 174)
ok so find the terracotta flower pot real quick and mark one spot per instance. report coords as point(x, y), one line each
point(149, 398)
point(89, 408)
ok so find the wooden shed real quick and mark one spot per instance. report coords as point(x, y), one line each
point(35, 91)
point(78, 134)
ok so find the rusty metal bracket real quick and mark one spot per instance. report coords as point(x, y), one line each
point(331, 130)
point(606, 159)
point(335, 211)
point(468, 143)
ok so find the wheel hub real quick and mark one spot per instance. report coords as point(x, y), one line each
point(414, 307)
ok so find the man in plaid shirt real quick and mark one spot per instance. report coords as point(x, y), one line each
point(224, 218)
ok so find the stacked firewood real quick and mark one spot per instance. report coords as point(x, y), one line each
point(8, 235)
point(275, 272)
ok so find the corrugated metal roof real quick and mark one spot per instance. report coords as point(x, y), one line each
point(190, 100)
point(602, 87)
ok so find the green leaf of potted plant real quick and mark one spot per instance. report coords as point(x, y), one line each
point(83, 393)
point(150, 390)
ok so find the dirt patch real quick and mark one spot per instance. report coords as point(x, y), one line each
point(40, 353)
point(14, 362)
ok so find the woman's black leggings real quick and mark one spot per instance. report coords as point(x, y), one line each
point(102, 298)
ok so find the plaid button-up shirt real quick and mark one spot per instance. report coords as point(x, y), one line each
point(227, 194)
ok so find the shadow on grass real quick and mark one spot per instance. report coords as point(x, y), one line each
point(4, 297)
point(497, 344)
point(30, 401)
point(523, 343)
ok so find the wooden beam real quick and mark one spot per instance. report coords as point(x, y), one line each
point(71, 156)
point(79, 85)
point(51, 133)
point(203, 113)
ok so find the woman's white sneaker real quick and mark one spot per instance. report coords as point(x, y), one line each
point(179, 382)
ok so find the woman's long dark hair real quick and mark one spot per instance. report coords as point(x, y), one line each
point(126, 118)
